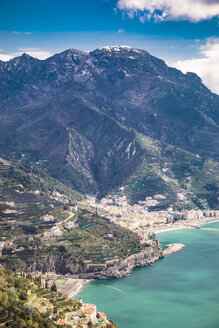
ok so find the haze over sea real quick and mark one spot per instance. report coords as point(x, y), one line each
point(180, 291)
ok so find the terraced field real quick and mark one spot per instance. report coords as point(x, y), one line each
point(40, 232)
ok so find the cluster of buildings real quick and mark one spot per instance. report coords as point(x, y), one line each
point(80, 315)
point(87, 314)
point(137, 217)
point(59, 226)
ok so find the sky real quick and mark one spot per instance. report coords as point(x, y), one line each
point(185, 33)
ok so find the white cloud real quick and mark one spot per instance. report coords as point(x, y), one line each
point(192, 10)
point(18, 32)
point(121, 30)
point(34, 52)
point(5, 57)
point(207, 67)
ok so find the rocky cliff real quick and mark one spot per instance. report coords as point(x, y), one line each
point(143, 258)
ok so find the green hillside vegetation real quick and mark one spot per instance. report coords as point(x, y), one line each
point(14, 310)
point(94, 241)
point(39, 232)
point(28, 302)
point(29, 178)
point(168, 170)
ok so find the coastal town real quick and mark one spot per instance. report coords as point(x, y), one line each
point(102, 239)
point(146, 223)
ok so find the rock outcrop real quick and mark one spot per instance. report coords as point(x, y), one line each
point(145, 257)
point(173, 248)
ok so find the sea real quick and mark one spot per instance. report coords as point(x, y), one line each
point(178, 291)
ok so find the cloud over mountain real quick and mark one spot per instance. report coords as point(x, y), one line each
point(34, 52)
point(207, 67)
point(192, 10)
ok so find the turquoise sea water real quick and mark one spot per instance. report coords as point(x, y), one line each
point(180, 291)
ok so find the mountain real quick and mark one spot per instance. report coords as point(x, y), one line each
point(111, 118)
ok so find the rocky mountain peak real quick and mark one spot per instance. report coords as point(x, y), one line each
point(23, 63)
point(69, 55)
point(120, 50)
point(23, 58)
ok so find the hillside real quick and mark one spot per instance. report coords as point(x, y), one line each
point(184, 179)
point(79, 116)
point(44, 230)
point(26, 301)
point(13, 310)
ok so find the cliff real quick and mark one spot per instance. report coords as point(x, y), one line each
point(145, 257)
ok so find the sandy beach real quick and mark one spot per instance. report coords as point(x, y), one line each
point(72, 287)
point(186, 224)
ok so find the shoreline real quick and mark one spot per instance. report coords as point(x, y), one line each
point(173, 248)
point(184, 225)
point(72, 287)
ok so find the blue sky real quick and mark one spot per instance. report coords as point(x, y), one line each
point(178, 31)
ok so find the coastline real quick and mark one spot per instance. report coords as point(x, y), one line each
point(173, 248)
point(187, 224)
point(72, 287)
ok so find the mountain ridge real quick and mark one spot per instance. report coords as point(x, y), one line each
point(77, 114)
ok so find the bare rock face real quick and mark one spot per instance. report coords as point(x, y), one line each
point(125, 268)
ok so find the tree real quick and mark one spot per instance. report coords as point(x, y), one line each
point(54, 288)
point(151, 236)
point(23, 296)
point(29, 276)
point(22, 323)
point(4, 299)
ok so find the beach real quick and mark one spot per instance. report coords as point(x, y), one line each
point(183, 224)
point(71, 287)
point(177, 291)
